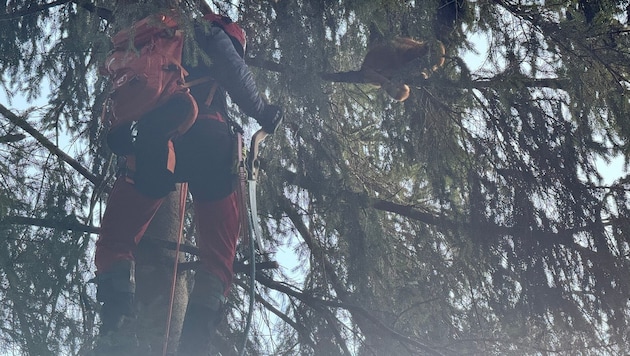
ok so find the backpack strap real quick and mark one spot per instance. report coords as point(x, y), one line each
point(197, 81)
point(213, 89)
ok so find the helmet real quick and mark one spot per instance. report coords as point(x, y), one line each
point(236, 33)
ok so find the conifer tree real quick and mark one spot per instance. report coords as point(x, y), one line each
point(473, 219)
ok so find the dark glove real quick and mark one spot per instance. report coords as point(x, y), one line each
point(271, 119)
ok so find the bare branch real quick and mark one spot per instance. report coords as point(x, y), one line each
point(22, 123)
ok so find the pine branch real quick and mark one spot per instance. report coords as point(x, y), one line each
point(23, 124)
point(31, 9)
point(8, 138)
point(333, 320)
point(563, 237)
point(266, 64)
point(341, 292)
point(70, 223)
point(273, 309)
point(315, 248)
point(12, 293)
point(101, 12)
point(500, 81)
point(318, 303)
point(238, 266)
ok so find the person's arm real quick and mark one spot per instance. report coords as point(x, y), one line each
point(234, 75)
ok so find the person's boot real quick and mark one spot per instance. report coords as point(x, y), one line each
point(203, 315)
point(116, 289)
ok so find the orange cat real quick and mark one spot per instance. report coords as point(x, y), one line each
point(385, 59)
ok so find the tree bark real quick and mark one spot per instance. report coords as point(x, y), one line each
point(154, 280)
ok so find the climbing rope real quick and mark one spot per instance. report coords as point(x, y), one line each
point(253, 229)
point(245, 227)
point(183, 193)
point(252, 294)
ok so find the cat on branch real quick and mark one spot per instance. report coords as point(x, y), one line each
point(385, 60)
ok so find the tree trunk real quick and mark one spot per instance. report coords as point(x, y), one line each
point(154, 280)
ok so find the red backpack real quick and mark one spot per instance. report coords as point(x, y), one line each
point(145, 71)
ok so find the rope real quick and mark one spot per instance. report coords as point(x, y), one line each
point(252, 292)
point(182, 209)
point(248, 236)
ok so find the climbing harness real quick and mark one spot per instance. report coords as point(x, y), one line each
point(248, 171)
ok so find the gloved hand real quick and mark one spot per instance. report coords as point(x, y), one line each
point(271, 119)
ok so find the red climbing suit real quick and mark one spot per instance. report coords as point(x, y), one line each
point(203, 156)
